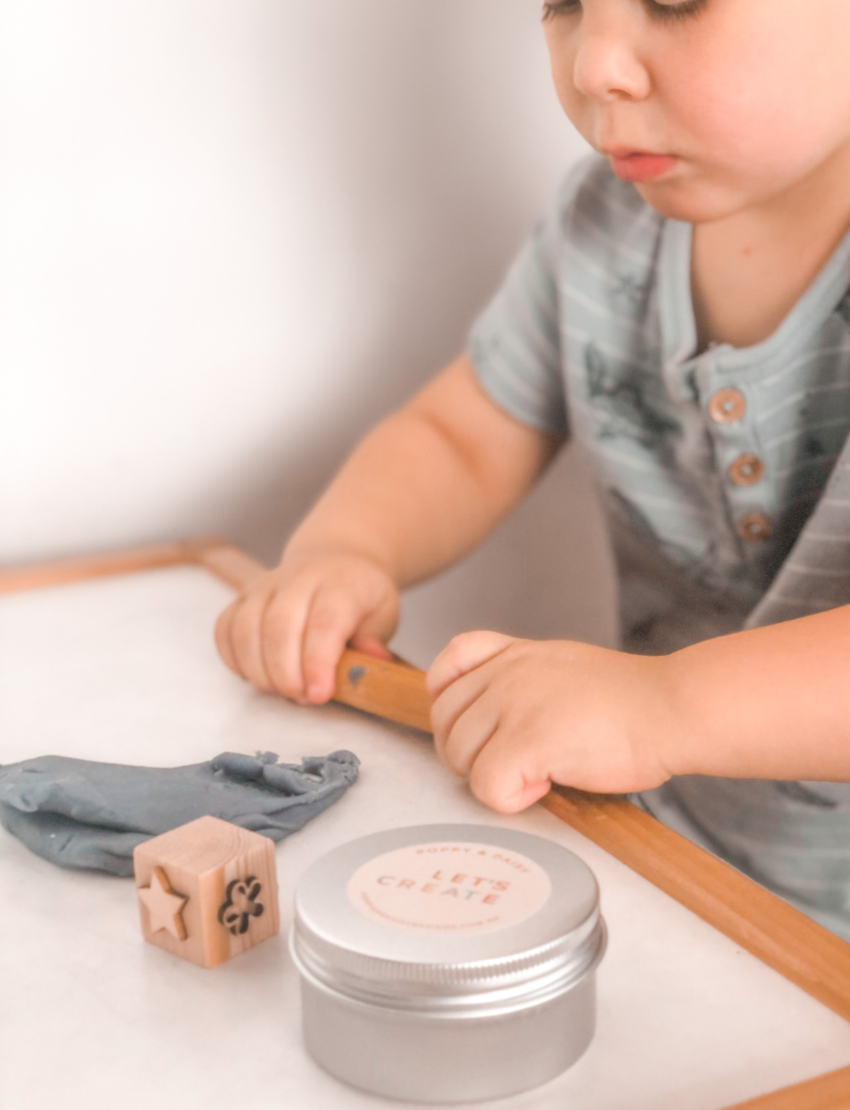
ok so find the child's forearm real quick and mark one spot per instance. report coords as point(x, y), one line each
point(768, 703)
point(428, 483)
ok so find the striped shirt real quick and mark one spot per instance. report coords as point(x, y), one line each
point(710, 464)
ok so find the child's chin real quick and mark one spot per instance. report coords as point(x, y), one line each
point(685, 201)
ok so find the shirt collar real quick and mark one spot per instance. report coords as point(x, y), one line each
point(792, 337)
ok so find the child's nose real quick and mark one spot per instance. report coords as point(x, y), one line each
point(608, 66)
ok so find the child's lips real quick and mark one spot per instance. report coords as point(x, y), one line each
point(639, 165)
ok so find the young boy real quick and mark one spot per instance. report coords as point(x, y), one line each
point(683, 310)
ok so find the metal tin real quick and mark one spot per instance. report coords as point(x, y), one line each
point(447, 963)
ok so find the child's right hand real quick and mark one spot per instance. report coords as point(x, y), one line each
point(286, 632)
point(417, 493)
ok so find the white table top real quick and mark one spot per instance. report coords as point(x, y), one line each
point(124, 669)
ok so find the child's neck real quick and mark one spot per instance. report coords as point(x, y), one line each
point(748, 270)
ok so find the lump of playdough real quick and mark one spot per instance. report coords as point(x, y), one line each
point(92, 815)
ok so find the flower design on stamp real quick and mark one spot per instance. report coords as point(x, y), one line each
point(240, 905)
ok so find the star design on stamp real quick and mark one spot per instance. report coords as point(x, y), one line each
point(241, 905)
point(164, 905)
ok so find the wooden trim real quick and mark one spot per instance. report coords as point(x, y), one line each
point(64, 571)
point(806, 953)
point(782, 937)
point(235, 566)
point(827, 1092)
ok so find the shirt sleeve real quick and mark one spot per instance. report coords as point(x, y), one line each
point(515, 344)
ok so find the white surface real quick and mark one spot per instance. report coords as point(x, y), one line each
point(124, 669)
point(236, 233)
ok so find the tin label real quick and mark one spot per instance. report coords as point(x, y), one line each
point(449, 887)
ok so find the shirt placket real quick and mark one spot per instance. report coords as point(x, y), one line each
point(727, 404)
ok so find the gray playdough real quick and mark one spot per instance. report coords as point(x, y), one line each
point(92, 815)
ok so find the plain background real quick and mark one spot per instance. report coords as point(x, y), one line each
point(235, 233)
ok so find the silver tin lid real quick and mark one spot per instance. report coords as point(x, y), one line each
point(448, 919)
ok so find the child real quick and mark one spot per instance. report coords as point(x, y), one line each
point(683, 310)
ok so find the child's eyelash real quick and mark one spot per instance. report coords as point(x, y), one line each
point(673, 12)
point(662, 12)
point(560, 7)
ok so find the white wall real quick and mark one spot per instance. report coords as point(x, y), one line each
point(235, 232)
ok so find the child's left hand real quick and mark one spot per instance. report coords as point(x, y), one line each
point(516, 715)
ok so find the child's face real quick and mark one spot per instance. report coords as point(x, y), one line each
point(741, 98)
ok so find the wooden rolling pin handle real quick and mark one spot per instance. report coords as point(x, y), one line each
point(388, 688)
point(391, 689)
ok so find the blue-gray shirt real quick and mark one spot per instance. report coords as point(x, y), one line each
point(709, 462)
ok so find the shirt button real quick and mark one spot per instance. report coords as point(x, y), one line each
point(746, 470)
point(754, 528)
point(726, 406)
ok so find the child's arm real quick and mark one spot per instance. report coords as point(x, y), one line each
point(771, 703)
point(418, 493)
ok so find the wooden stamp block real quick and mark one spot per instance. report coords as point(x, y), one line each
point(207, 890)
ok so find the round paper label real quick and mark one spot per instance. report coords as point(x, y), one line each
point(451, 887)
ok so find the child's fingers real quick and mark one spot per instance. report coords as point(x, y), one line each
point(370, 645)
point(246, 638)
point(376, 627)
point(222, 637)
point(463, 654)
point(499, 779)
point(461, 744)
point(447, 710)
point(365, 617)
point(280, 639)
point(230, 635)
point(333, 618)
